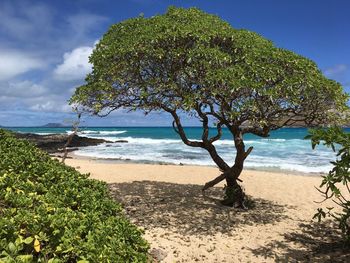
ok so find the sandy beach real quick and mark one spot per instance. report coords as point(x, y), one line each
point(182, 225)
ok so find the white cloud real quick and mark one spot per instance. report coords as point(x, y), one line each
point(51, 106)
point(22, 89)
point(22, 20)
point(35, 77)
point(336, 70)
point(26, 95)
point(14, 63)
point(75, 65)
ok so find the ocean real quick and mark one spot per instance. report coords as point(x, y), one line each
point(285, 149)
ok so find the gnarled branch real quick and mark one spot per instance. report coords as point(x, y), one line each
point(250, 149)
point(217, 180)
point(218, 135)
point(179, 130)
point(205, 120)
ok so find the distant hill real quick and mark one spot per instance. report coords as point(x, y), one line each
point(53, 125)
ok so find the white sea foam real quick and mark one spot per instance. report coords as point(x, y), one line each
point(292, 155)
point(88, 132)
point(289, 167)
point(102, 132)
point(148, 140)
point(111, 132)
point(155, 156)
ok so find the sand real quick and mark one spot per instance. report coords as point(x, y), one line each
point(182, 225)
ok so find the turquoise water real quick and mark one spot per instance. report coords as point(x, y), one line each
point(285, 149)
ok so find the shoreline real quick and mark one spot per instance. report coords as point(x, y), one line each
point(71, 154)
point(142, 145)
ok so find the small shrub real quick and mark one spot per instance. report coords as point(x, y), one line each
point(339, 141)
point(51, 213)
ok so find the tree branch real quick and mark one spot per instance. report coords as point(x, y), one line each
point(218, 135)
point(217, 180)
point(205, 121)
point(250, 149)
point(223, 166)
point(75, 128)
point(174, 127)
point(179, 130)
point(262, 132)
point(214, 181)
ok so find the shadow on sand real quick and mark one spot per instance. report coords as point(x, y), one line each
point(183, 208)
point(320, 242)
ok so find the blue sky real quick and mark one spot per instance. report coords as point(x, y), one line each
point(44, 47)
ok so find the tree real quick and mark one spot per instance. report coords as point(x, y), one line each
point(190, 62)
point(339, 141)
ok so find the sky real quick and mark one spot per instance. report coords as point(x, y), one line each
point(45, 45)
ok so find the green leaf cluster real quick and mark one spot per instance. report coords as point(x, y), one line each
point(339, 141)
point(51, 213)
point(186, 57)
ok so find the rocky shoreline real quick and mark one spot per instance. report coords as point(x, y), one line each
point(53, 143)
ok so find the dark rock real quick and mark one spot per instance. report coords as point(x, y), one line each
point(158, 254)
point(122, 141)
point(55, 142)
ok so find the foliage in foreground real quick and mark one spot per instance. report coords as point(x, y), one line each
point(188, 62)
point(51, 213)
point(339, 141)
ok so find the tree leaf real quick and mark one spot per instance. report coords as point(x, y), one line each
point(37, 245)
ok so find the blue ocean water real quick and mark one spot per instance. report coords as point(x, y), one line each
point(285, 149)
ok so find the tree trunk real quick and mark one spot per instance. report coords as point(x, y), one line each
point(234, 194)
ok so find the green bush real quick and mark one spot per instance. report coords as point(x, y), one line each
point(51, 213)
point(339, 141)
